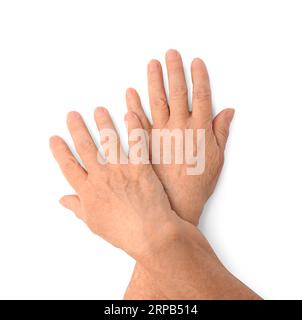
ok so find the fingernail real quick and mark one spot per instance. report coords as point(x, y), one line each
point(62, 201)
point(230, 115)
point(172, 54)
point(129, 92)
point(153, 65)
point(100, 111)
point(73, 115)
point(53, 139)
point(197, 62)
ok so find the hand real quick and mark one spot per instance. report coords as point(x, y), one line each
point(127, 206)
point(124, 204)
point(189, 194)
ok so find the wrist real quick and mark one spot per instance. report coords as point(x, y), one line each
point(173, 242)
point(166, 239)
point(159, 237)
point(191, 214)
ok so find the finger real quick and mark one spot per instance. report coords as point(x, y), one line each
point(113, 150)
point(178, 92)
point(72, 170)
point(201, 98)
point(82, 139)
point(134, 104)
point(157, 95)
point(221, 126)
point(72, 202)
point(137, 139)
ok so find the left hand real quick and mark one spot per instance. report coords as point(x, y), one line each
point(123, 203)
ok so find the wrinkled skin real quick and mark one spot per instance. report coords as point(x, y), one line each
point(127, 206)
point(190, 193)
point(124, 204)
point(187, 193)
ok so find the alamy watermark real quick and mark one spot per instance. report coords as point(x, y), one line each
point(159, 146)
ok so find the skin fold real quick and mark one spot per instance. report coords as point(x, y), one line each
point(190, 193)
point(133, 206)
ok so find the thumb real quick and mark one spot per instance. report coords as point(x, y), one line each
point(72, 202)
point(221, 126)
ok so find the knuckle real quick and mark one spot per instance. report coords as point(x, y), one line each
point(202, 95)
point(223, 134)
point(70, 164)
point(160, 102)
point(179, 92)
point(86, 145)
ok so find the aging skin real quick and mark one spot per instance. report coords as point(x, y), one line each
point(127, 206)
point(190, 193)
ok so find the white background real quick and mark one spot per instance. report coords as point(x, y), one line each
point(57, 56)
